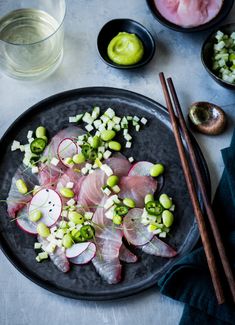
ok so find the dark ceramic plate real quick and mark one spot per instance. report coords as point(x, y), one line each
point(154, 143)
point(112, 28)
point(225, 10)
point(207, 54)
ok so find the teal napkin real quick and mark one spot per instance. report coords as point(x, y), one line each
point(189, 280)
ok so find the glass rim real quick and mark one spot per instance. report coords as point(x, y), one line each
point(44, 39)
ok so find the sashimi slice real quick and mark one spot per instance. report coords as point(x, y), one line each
point(136, 188)
point(76, 249)
point(134, 231)
point(24, 223)
point(58, 257)
point(110, 271)
point(119, 165)
point(126, 255)
point(108, 242)
point(90, 192)
point(158, 248)
point(15, 200)
point(67, 148)
point(49, 203)
point(141, 168)
point(86, 256)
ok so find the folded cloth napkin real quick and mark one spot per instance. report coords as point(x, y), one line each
point(189, 280)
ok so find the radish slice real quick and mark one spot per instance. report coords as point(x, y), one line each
point(141, 168)
point(24, 223)
point(49, 203)
point(67, 148)
point(76, 249)
point(86, 256)
point(135, 232)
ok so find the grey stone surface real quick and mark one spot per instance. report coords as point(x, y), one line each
point(178, 55)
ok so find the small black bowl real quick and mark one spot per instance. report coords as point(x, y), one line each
point(112, 28)
point(224, 11)
point(207, 54)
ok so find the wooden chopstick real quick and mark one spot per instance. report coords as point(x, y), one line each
point(193, 195)
point(212, 220)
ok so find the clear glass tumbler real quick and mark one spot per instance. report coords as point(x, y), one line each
point(31, 37)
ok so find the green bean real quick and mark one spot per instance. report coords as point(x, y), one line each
point(40, 132)
point(114, 145)
point(117, 220)
point(107, 135)
point(129, 203)
point(43, 230)
point(67, 241)
point(165, 201)
point(112, 180)
point(148, 198)
point(95, 142)
point(21, 186)
point(35, 215)
point(66, 192)
point(156, 170)
point(76, 217)
point(79, 158)
point(167, 218)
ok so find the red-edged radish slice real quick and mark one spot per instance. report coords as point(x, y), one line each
point(86, 256)
point(67, 148)
point(24, 223)
point(76, 249)
point(49, 203)
point(158, 248)
point(141, 168)
point(135, 232)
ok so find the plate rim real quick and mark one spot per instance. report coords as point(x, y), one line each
point(17, 263)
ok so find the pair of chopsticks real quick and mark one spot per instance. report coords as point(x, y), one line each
point(177, 122)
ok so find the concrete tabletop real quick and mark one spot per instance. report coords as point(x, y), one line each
point(178, 55)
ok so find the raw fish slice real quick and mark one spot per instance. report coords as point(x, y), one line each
point(158, 248)
point(134, 231)
point(70, 176)
point(58, 257)
point(49, 173)
point(136, 187)
point(24, 223)
point(110, 271)
point(126, 255)
point(90, 192)
point(108, 242)
point(119, 164)
point(15, 200)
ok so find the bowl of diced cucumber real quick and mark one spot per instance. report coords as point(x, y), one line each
point(218, 55)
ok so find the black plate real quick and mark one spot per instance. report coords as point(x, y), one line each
point(154, 143)
point(225, 10)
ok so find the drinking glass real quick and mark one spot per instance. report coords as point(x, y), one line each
point(31, 37)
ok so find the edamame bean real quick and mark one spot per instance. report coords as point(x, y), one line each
point(44, 138)
point(35, 215)
point(107, 135)
point(129, 203)
point(43, 230)
point(67, 241)
point(76, 217)
point(67, 193)
point(167, 218)
point(40, 132)
point(156, 170)
point(114, 145)
point(95, 142)
point(79, 158)
point(21, 186)
point(112, 180)
point(148, 198)
point(165, 201)
point(117, 220)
